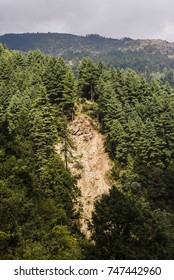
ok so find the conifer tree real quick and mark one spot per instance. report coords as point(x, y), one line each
point(87, 78)
point(124, 229)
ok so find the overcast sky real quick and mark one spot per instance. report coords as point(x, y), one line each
point(109, 18)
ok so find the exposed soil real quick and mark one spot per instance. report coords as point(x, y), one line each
point(90, 165)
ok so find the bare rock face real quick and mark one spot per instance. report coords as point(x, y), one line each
point(91, 165)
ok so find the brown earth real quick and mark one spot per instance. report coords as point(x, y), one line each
point(90, 164)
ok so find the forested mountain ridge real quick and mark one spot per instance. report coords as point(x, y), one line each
point(39, 101)
point(126, 52)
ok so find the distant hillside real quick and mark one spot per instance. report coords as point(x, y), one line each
point(126, 52)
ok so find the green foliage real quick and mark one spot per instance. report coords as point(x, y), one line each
point(91, 109)
point(137, 119)
point(87, 79)
point(37, 194)
point(140, 55)
point(125, 229)
point(42, 123)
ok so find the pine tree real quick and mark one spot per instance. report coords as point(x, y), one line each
point(53, 79)
point(125, 229)
point(87, 79)
point(43, 129)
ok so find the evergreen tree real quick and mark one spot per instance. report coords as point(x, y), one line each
point(124, 229)
point(87, 79)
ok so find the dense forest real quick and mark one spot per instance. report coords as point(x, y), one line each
point(39, 212)
point(140, 55)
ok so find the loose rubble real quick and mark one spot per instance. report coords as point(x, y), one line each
point(90, 165)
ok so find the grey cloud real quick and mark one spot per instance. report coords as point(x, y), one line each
point(110, 18)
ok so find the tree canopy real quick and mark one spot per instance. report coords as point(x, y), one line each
point(38, 193)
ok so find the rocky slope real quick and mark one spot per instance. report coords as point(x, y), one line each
point(90, 164)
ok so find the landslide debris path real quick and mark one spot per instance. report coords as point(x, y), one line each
point(90, 165)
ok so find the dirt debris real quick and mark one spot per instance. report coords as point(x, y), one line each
point(92, 165)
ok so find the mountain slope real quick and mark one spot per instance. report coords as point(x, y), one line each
point(126, 52)
point(90, 164)
point(93, 164)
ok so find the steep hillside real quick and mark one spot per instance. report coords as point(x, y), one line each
point(90, 164)
point(126, 52)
